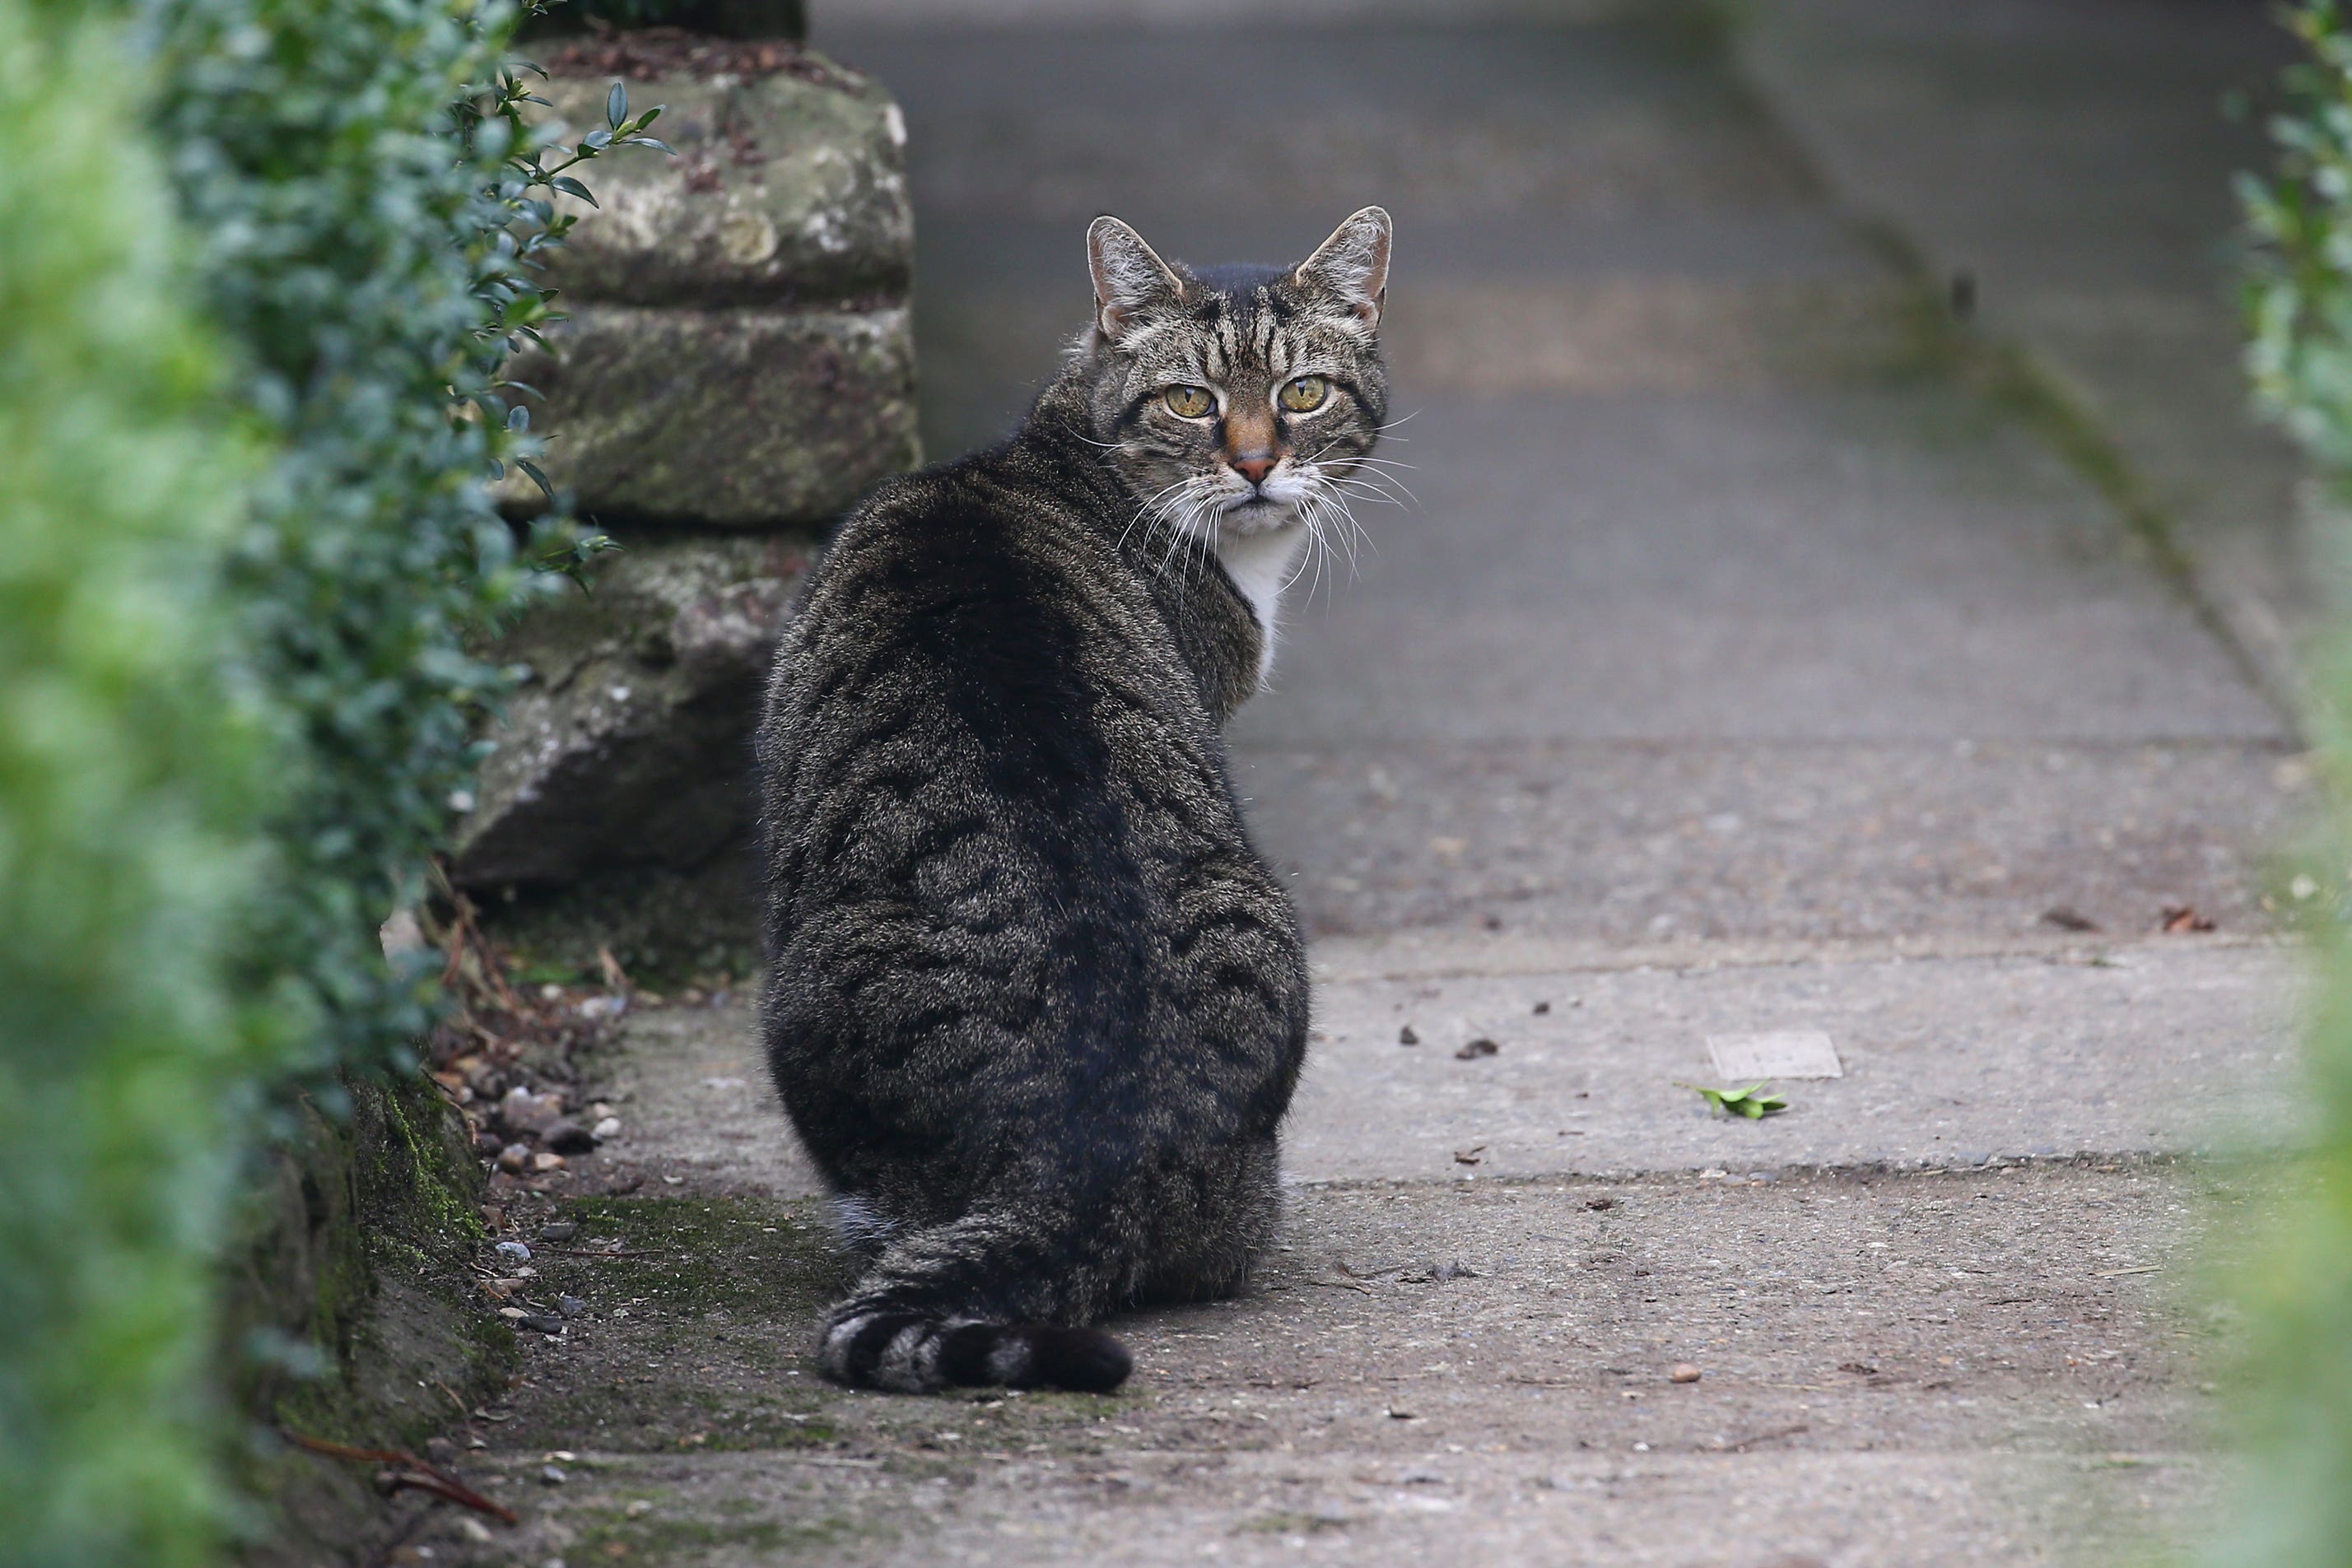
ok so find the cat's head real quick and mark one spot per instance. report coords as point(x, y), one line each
point(1239, 401)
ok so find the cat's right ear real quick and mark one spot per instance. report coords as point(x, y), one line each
point(1129, 278)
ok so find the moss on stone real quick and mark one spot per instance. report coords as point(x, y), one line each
point(656, 1538)
point(714, 1253)
point(353, 1286)
point(729, 418)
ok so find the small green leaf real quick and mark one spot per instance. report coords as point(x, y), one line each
point(571, 187)
point(617, 106)
point(518, 418)
point(1752, 1102)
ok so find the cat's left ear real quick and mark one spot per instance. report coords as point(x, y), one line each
point(1352, 265)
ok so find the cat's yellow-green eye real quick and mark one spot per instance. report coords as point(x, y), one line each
point(1304, 394)
point(1190, 402)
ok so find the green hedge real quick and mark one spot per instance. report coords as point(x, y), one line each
point(367, 209)
point(342, 235)
point(128, 783)
point(2295, 1505)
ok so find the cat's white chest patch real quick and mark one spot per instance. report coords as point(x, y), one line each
point(1262, 565)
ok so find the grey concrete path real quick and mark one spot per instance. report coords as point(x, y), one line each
point(2104, 245)
point(1737, 670)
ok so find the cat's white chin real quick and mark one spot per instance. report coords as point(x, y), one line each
point(1256, 515)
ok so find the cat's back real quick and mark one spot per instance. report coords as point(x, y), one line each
point(971, 662)
point(968, 589)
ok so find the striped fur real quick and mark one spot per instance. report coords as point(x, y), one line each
point(1033, 1004)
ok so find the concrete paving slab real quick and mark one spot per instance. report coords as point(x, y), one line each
point(2167, 1046)
point(1482, 1372)
point(697, 1104)
point(1806, 565)
point(1437, 121)
point(2131, 1050)
point(1644, 842)
point(2076, 158)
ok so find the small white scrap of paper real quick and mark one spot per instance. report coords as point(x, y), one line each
point(1778, 1053)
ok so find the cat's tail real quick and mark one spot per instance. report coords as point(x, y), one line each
point(914, 1352)
point(971, 1305)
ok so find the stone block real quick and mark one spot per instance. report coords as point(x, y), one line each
point(629, 744)
point(729, 418)
point(788, 188)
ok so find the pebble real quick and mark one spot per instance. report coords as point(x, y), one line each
point(546, 1162)
point(568, 1137)
point(606, 1127)
point(1682, 1372)
point(1406, 1036)
point(474, 1530)
point(562, 1230)
point(638, 1509)
point(515, 1250)
point(571, 1306)
point(552, 1475)
point(545, 1323)
point(514, 1156)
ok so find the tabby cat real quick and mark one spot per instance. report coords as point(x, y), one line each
point(1033, 1003)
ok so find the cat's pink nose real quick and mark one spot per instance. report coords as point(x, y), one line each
point(1254, 469)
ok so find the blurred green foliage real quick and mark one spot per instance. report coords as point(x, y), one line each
point(260, 261)
point(128, 787)
point(2299, 274)
point(2293, 1508)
